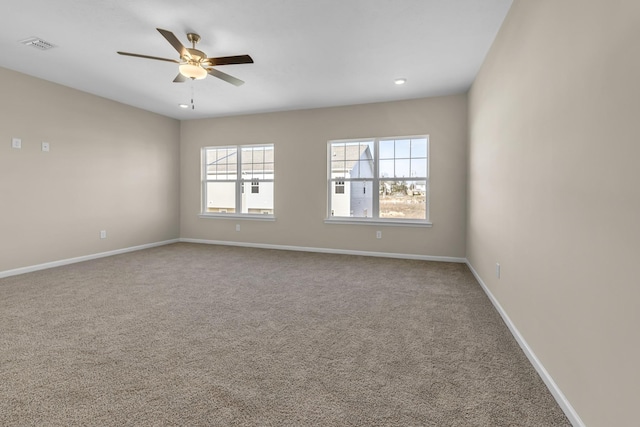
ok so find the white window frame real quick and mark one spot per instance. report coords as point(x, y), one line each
point(241, 185)
point(375, 219)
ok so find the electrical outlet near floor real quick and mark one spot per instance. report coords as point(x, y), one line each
point(497, 270)
point(237, 227)
point(103, 234)
point(378, 234)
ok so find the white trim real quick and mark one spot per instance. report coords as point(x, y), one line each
point(238, 181)
point(67, 261)
point(255, 217)
point(367, 221)
point(326, 250)
point(562, 400)
point(376, 179)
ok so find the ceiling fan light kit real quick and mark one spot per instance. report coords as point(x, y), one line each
point(193, 63)
point(192, 71)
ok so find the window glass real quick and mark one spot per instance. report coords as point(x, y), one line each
point(221, 164)
point(403, 149)
point(387, 150)
point(419, 148)
point(402, 167)
point(403, 199)
point(221, 197)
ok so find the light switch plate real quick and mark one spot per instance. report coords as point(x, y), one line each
point(16, 143)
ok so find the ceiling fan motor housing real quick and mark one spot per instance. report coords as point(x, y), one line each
point(196, 55)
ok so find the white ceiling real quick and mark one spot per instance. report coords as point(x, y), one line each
point(307, 53)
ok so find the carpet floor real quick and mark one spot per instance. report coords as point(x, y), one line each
point(200, 335)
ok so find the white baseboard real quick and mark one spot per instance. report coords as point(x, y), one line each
point(29, 269)
point(59, 263)
point(564, 404)
point(326, 250)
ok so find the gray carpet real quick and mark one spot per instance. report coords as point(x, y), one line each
point(196, 335)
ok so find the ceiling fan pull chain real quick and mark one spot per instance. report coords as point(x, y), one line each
point(193, 106)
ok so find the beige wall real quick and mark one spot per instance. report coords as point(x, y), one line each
point(300, 139)
point(554, 193)
point(111, 167)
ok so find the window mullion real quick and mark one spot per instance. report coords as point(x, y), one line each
point(239, 179)
point(376, 180)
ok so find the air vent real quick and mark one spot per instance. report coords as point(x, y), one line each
point(38, 43)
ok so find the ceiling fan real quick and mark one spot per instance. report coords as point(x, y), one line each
point(193, 63)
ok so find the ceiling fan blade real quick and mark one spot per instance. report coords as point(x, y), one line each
point(226, 77)
point(171, 38)
point(148, 57)
point(180, 78)
point(229, 60)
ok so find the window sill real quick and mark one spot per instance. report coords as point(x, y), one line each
point(253, 217)
point(367, 221)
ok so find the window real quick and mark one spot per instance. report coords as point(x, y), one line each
point(379, 180)
point(224, 173)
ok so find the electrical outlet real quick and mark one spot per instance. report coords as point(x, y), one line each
point(45, 146)
point(16, 143)
point(378, 234)
point(497, 270)
point(237, 227)
point(103, 234)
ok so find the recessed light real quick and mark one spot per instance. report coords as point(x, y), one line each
point(183, 106)
point(400, 81)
